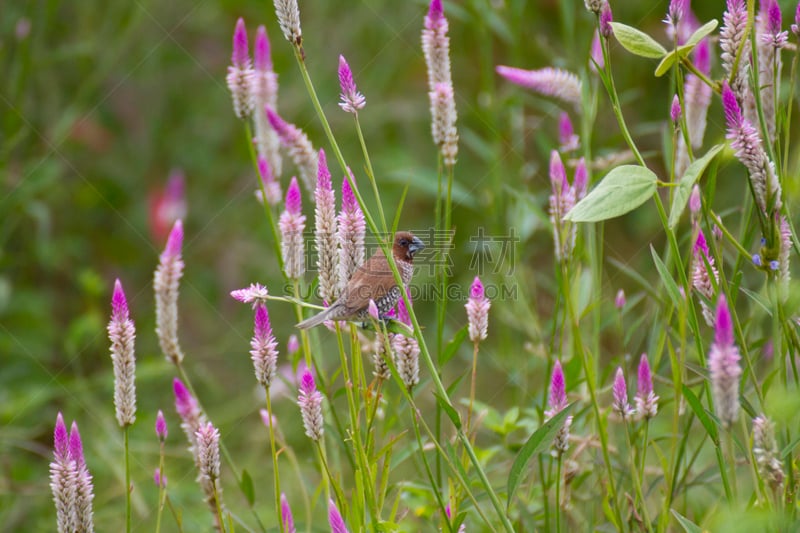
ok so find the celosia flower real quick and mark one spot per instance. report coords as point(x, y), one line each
point(310, 402)
point(594, 5)
point(298, 145)
point(770, 41)
point(605, 20)
point(84, 494)
point(272, 189)
point(597, 61)
point(372, 310)
point(734, 25)
point(352, 231)
point(766, 453)
point(557, 403)
point(207, 437)
point(292, 223)
point(63, 479)
point(785, 251)
point(619, 299)
point(567, 139)
point(701, 277)
point(292, 345)
point(620, 393)
point(165, 283)
point(335, 519)
point(325, 234)
point(352, 100)
point(264, 93)
point(122, 333)
point(796, 25)
point(289, 20)
point(695, 203)
point(380, 366)
point(746, 142)
point(286, 515)
point(723, 365)
point(646, 400)
point(548, 81)
point(443, 122)
point(239, 73)
point(562, 200)
point(677, 8)
point(675, 110)
point(436, 45)
point(255, 294)
point(264, 348)
point(405, 350)
point(192, 418)
point(477, 307)
point(161, 426)
point(581, 179)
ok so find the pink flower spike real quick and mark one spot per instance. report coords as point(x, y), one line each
point(159, 479)
point(566, 134)
point(60, 440)
point(372, 309)
point(733, 114)
point(307, 384)
point(677, 8)
point(402, 311)
point(645, 378)
point(619, 300)
point(286, 515)
point(796, 25)
point(675, 110)
point(773, 17)
point(293, 199)
point(334, 518)
point(606, 18)
point(185, 404)
point(723, 327)
point(255, 294)
point(548, 81)
point(581, 179)
point(240, 57)
point(349, 202)
point(558, 391)
point(292, 345)
point(476, 291)
point(174, 241)
point(262, 58)
point(646, 400)
point(620, 392)
point(323, 173)
point(76, 446)
point(352, 100)
point(596, 53)
point(477, 308)
point(264, 347)
point(558, 175)
point(119, 305)
point(435, 13)
point(161, 426)
point(695, 202)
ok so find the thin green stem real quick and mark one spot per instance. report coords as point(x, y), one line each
point(371, 175)
point(730, 451)
point(162, 490)
point(637, 484)
point(558, 494)
point(436, 492)
point(127, 480)
point(274, 453)
point(472, 385)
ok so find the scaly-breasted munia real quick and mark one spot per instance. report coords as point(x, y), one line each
point(372, 281)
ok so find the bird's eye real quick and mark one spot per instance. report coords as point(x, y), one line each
point(403, 242)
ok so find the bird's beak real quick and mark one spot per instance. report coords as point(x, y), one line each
point(416, 245)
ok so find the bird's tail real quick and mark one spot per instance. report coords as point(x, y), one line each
point(315, 320)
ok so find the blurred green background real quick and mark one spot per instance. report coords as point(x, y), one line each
point(99, 100)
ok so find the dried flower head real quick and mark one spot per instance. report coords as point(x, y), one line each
point(766, 453)
point(292, 223)
point(289, 20)
point(594, 5)
point(352, 100)
point(122, 333)
point(165, 283)
point(723, 365)
point(477, 307)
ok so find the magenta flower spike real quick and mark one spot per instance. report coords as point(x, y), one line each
point(264, 93)
point(325, 232)
point(239, 73)
point(352, 100)
point(677, 9)
point(121, 333)
point(63, 479)
point(695, 201)
point(76, 446)
point(619, 300)
point(335, 518)
point(796, 25)
point(596, 53)
point(161, 426)
point(567, 139)
point(352, 232)
point(675, 110)
point(286, 515)
point(746, 142)
point(646, 401)
point(298, 145)
point(272, 189)
point(84, 491)
point(723, 366)
point(562, 200)
point(310, 402)
point(60, 440)
point(701, 277)
point(262, 55)
point(581, 179)
point(773, 36)
point(477, 307)
point(292, 223)
point(372, 310)
point(159, 478)
point(606, 18)
point(556, 403)
point(620, 393)
point(264, 348)
point(188, 410)
point(165, 284)
point(548, 81)
point(292, 345)
point(255, 294)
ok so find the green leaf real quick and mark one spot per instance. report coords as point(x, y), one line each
point(453, 346)
point(684, 188)
point(685, 49)
point(666, 63)
point(789, 447)
point(449, 410)
point(701, 413)
point(701, 32)
point(637, 42)
point(536, 444)
point(622, 190)
point(669, 283)
point(688, 525)
point(246, 484)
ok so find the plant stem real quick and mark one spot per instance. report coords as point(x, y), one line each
point(558, 493)
point(127, 480)
point(472, 384)
point(162, 490)
point(274, 453)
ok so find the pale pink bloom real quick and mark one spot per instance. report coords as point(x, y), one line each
point(239, 73)
point(325, 232)
point(620, 393)
point(443, 122)
point(766, 452)
point(352, 230)
point(619, 299)
point(255, 294)
point(701, 277)
point(646, 400)
point(557, 403)
point(723, 366)
point(299, 147)
point(352, 100)
point(264, 93)
point(548, 81)
point(165, 283)
point(264, 348)
point(272, 189)
point(477, 307)
point(567, 139)
point(122, 333)
point(292, 223)
point(310, 402)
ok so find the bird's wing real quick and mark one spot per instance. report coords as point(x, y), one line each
point(372, 281)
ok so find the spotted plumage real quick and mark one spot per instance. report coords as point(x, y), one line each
point(372, 281)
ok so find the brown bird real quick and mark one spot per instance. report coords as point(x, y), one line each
point(372, 281)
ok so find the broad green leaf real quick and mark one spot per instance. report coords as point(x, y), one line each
point(701, 413)
point(689, 178)
point(637, 42)
point(536, 444)
point(688, 525)
point(669, 283)
point(685, 49)
point(666, 63)
point(622, 190)
point(449, 410)
point(701, 32)
point(246, 484)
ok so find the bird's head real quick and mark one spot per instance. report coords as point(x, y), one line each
point(406, 245)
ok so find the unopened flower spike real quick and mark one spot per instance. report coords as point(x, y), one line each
point(646, 400)
point(606, 18)
point(566, 134)
point(161, 426)
point(239, 73)
point(352, 100)
point(557, 402)
point(675, 110)
point(619, 299)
